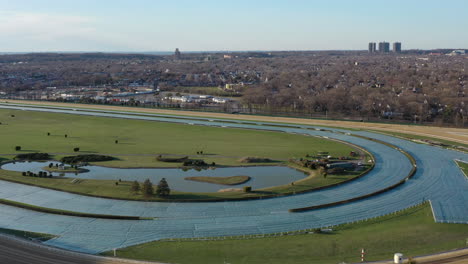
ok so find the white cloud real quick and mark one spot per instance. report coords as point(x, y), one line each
point(54, 32)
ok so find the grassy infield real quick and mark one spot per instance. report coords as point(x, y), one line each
point(141, 141)
point(412, 231)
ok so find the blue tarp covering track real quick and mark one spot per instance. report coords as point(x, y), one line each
point(437, 179)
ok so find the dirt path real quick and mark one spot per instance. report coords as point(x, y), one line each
point(452, 257)
point(454, 134)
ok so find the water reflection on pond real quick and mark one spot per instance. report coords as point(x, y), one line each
point(261, 176)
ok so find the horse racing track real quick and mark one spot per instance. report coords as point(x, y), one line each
point(405, 174)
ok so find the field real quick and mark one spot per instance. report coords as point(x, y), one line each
point(139, 142)
point(412, 232)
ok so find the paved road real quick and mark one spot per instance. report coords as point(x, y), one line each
point(450, 257)
point(19, 251)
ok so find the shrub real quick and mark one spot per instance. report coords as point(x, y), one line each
point(24, 173)
point(255, 160)
point(76, 149)
point(18, 148)
point(195, 163)
point(85, 158)
point(48, 133)
point(33, 156)
point(247, 189)
point(161, 158)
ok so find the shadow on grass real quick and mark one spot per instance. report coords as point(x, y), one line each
point(62, 136)
point(264, 162)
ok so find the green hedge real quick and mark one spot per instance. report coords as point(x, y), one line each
point(33, 156)
point(85, 158)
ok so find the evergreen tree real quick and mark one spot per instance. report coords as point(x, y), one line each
point(163, 189)
point(135, 187)
point(147, 188)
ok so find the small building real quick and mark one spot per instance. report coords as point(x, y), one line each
point(220, 100)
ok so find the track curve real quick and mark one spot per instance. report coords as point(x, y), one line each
point(438, 179)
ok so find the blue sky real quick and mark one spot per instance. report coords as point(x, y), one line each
point(163, 25)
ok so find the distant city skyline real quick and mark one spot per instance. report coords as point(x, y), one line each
point(241, 25)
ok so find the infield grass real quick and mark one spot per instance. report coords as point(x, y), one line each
point(140, 141)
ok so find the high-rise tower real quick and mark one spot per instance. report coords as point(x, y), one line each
point(397, 47)
point(384, 47)
point(372, 47)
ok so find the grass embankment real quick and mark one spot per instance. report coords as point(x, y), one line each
point(26, 234)
point(411, 232)
point(65, 212)
point(139, 141)
point(233, 180)
point(464, 167)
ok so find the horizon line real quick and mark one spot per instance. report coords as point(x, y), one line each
point(208, 51)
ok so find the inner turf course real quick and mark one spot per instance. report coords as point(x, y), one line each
point(438, 179)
